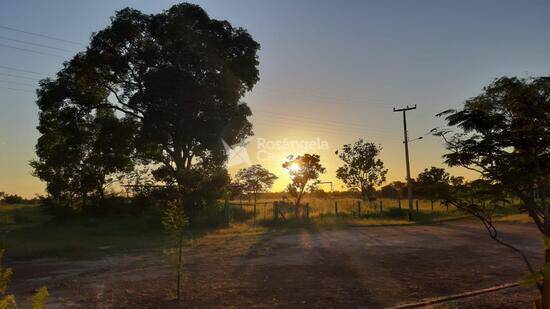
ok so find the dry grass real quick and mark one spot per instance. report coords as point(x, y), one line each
point(516, 218)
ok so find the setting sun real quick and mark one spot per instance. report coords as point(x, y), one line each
point(294, 167)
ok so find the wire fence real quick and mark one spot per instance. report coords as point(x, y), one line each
point(274, 210)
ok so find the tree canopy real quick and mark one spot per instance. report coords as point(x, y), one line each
point(255, 179)
point(504, 134)
point(362, 167)
point(302, 169)
point(178, 77)
point(433, 183)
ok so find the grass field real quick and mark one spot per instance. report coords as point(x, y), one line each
point(27, 231)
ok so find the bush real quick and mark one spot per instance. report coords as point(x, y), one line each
point(397, 213)
point(60, 211)
point(116, 206)
point(13, 199)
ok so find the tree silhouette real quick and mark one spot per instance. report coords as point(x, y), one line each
point(362, 168)
point(504, 134)
point(179, 75)
point(433, 183)
point(302, 170)
point(255, 179)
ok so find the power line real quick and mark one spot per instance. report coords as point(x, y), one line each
point(318, 128)
point(321, 94)
point(301, 123)
point(298, 125)
point(317, 131)
point(322, 100)
point(16, 83)
point(315, 120)
point(21, 70)
point(36, 44)
point(16, 89)
point(42, 35)
point(32, 51)
point(18, 76)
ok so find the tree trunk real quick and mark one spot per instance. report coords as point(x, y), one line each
point(364, 194)
point(178, 286)
point(546, 284)
point(255, 200)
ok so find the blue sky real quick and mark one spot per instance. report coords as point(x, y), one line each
point(342, 63)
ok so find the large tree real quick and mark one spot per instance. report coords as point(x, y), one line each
point(504, 134)
point(180, 76)
point(362, 167)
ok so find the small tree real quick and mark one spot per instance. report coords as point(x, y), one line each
point(394, 190)
point(362, 168)
point(302, 170)
point(433, 183)
point(12, 199)
point(504, 135)
point(7, 301)
point(175, 222)
point(255, 179)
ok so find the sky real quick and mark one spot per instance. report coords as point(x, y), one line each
point(330, 71)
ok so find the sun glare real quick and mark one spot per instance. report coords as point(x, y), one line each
point(294, 167)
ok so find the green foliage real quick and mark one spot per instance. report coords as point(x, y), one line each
point(255, 179)
point(504, 134)
point(12, 199)
point(432, 183)
point(394, 190)
point(177, 78)
point(362, 167)
point(39, 298)
point(174, 220)
point(7, 301)
point(5, 276)
point(302, 169)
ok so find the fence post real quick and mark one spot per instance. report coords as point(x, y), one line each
point(416, 205)
point(254, 212)
point(336, 208)
point(307, 211)
point(399, 203)
point(275, 211)
point(380, 206)
point(359, 209)
point(226, 212)
point(432, 205)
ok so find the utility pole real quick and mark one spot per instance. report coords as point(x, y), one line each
point(406, 142)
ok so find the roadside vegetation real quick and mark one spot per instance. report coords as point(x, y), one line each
point(132, 135)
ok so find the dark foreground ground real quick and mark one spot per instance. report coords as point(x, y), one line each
point(370, 267)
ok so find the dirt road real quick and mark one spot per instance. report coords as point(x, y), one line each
point(370, 267)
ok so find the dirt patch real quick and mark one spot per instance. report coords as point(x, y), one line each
point(374, 267)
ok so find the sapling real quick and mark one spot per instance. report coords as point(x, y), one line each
point(175, 222)
point(7, 301)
